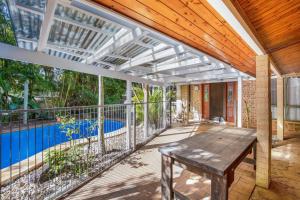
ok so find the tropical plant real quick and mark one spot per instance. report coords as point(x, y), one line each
point(71, 159)
point(56, 160)
point(155, 103)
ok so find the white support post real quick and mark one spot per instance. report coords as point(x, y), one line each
point(164, 88)
point(239, 102)
point(128, 113)
point(100, 113)
point(25, 115)
point(146, 106)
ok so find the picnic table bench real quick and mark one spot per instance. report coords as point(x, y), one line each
point(214, 155)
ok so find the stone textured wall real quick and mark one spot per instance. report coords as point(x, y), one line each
point(249, 97)
point(184, 97)
point(195, 104)
point(196, 101)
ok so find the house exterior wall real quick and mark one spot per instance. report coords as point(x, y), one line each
point(195, 104)
point(249, 101)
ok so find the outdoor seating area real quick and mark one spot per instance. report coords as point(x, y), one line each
point(149, 99)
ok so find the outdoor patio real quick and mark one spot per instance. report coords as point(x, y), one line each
point(149, 99)
point(138, 176)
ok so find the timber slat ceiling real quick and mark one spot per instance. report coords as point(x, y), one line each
point(276, 24)
point(193, 22)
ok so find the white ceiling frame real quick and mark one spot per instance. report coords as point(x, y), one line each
point(194, 69)
point(146, 59)
point(60, 50)
point(29, 9)
point(178, 58)
point(207, 81)
point(142, 44)
point(106, 63)
point(68, 48)
point(117, 56)
point(180, 64)
point(160, 47)
point(117, 43)
point(46, 25)
point(67, 3)
point(83, 26)
point(210, 72)
point(207, 77)
point(39, 58)
point(78, 55)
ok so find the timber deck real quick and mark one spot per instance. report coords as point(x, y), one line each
point(138, 176)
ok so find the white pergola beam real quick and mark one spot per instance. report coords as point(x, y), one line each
point(23, 55)
point(68, 48)
point(206, 78)
point(46, 25)
point(118, 56)
point(115, 44)
point(29, 9)
point(147, 59)
point(181, 64)
point(208, 72)
point(83, 26)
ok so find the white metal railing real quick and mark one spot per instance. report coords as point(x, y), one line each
point(61, 148)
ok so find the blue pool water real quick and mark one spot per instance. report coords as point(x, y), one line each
point(19, 145)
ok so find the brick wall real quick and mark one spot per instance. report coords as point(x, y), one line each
point(196, 101)
point(195, 104)
point(249, 97)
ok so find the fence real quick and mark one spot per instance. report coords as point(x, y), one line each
point(59, 149)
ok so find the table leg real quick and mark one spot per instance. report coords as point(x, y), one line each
point(254, 155)
point(219, 187)
point(167, 192)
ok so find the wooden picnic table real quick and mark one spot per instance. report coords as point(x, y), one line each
point(212, 154)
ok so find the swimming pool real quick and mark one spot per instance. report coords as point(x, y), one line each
point(19, 145)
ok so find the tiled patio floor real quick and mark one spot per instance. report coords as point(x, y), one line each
point(138, 177)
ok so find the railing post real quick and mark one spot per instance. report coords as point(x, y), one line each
point(134, 126)
point(164, 106)
point(25, 114)
point(128, 114)
point(146, 106)
point(100, 116)
point(170, 107)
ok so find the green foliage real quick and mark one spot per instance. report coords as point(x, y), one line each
point(138, 99)
point(56, 160)
point(68, 126)
point(114, 90)
point(155, 105)
point(68, 160)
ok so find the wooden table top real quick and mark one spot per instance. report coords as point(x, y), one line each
point(212, 151)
